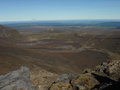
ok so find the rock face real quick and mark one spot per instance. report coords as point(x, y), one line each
point(63, 82)
point(84, 82)
point(103, 77)
point(81, 82)
point(113, 70)
point(16, 80)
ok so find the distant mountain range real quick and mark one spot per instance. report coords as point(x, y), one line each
point(64, 23)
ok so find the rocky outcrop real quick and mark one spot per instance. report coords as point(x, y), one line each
point(81, 82)
point(16, 80)
point(84, 82)
point(113, 70)
point(63, 82)
point(104, 77)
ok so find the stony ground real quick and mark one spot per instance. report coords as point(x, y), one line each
point(104, 77)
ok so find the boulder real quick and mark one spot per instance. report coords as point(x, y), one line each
point(63, 82)
point(105, 77)
point(16, 80)
point(65, 78)
point(113, 69)
point(61, 86)
point(84, 82)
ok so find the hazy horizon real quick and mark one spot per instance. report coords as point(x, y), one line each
point(70, 20)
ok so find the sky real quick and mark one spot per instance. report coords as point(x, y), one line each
point(33, 10)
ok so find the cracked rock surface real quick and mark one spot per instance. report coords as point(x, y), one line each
point(16, 80)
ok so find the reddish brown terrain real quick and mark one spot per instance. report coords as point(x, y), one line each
point(58, 51)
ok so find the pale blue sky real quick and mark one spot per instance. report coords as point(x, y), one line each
point(22, 10)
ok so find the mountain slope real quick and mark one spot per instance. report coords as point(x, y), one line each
point(6, 32)
point(12, 56)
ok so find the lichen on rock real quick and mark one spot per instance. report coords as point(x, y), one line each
point(85, 81)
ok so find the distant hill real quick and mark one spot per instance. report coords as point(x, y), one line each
point(110, 24)
point(40, 25)
point(6, 32)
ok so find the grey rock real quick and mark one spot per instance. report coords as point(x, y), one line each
point(65, 78)
point(16, 80)
point(79, 87)
point(105, 77)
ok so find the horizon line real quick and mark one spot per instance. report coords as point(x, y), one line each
point(57, 20)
